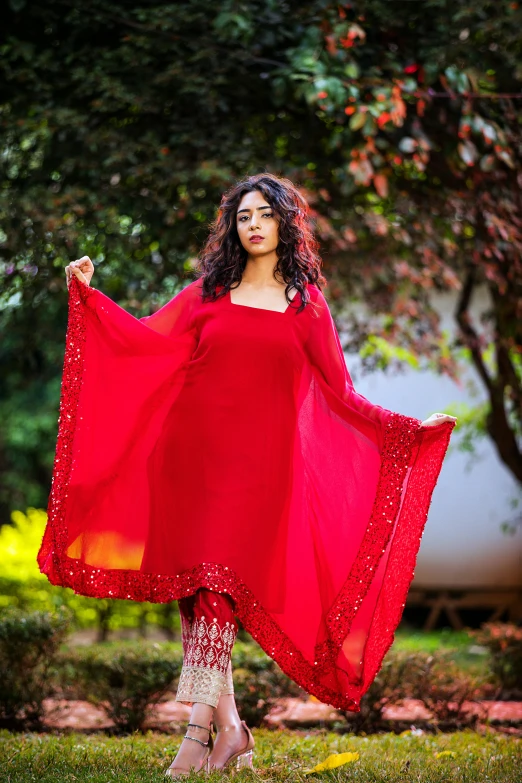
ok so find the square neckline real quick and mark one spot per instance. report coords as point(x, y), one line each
point(262, 309)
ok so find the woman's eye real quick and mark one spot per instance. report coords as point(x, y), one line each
point(245, 217)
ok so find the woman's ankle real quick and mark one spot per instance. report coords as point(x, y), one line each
point(202, 715)
point(226, 713)
point(196, 731)
point(228, 726)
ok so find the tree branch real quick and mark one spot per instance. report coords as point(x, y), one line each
point(469, 334)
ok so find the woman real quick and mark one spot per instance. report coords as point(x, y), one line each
point(216, 453)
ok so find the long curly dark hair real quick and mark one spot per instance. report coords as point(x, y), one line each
point(223, 258)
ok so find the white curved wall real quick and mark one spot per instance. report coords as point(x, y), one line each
point(463, 545)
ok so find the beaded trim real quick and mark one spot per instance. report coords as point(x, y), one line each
point(50, 557)
point(401, 442)
point(397, 448)
point(200, 684)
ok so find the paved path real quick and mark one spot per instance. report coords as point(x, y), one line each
point(294, 713)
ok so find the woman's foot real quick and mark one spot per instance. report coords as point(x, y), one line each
point(230, 741)
point(193, 752)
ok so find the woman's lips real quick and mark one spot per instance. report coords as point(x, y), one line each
point(256, 239)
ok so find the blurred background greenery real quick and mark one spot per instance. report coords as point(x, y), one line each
point(125, 657)
point(123, 123)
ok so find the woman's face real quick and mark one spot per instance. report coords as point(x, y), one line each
point(257, 224)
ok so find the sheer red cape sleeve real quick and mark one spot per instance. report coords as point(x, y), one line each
point(361, 486)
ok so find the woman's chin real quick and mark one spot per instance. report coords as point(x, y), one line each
point(259, 250)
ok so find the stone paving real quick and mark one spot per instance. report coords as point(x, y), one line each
point(288, 712)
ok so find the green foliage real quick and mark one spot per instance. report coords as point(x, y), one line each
point(444, 690)
point(258, 683)
point(384, 353)
point(19, 544)
point(28, 647)
point(432, 677)
point(23, 586)
point(125, 681)
point(504, 642)
point(280, 757)
point(122, 125)
point(472, 424)
point(459, 644)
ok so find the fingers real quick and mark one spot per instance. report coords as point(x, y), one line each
point(438, 418)
point(79, 274)
point(79, 262)
point(74, 268)
point(69, 269)
point(76, 273)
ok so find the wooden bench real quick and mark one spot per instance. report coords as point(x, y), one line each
point(504, 602)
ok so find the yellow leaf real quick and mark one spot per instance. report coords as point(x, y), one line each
point(444, 753)
point(357, 120)
point(333, 761)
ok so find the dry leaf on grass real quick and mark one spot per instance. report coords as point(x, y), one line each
point(333, 761)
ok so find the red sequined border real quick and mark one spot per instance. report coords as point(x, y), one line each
point(405, 546)
point(54, 540)
point(399, 437)
point(398, 448)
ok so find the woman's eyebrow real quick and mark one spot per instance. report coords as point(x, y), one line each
point(248, 210)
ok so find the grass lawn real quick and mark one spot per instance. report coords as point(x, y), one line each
point(432, 641)
point(443, 640)
point(280, 756)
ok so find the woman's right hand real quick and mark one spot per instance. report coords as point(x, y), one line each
point(83, 268)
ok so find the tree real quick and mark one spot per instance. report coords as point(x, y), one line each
point(121, 127)
point(433, 131)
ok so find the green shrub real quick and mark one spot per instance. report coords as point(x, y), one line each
point(504, 642)
point(431, 678)
point(399, 678)
point(124, 681)
point(24, 587)
point(28, 648)
point(445, 689)
point(126, 678)
point(258, 682)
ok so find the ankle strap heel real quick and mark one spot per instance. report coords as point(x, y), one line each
point(175, 772)
point(242, 758)
point(245, 760)
point(209, 743)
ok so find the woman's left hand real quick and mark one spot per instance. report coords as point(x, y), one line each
point(437, 418)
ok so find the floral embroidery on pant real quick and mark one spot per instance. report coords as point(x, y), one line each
point(207, 647)
point(209, 644)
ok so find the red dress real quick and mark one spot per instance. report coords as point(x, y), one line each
point(223, 446)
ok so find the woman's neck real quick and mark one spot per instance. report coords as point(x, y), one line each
point(259, 272)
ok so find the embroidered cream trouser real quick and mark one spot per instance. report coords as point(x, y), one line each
point(208, 631)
